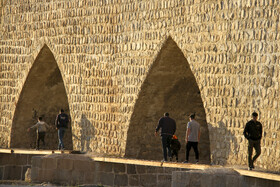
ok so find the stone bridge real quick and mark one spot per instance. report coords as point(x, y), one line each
point(116, 66)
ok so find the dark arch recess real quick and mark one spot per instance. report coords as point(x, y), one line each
point(43, 94)
point(170, 86)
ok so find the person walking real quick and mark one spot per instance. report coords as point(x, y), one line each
point(168, 128)
point(192, 138)
point(61, 123)
point(253, 133)
point(41, 127)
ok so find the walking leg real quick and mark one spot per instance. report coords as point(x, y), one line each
point(195, 147)
point(250, 150)
point(163, 140)
point(257, 146)
point(188, 148)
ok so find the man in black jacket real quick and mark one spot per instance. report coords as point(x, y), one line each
point(168, 128)
point(253, 132)
point(61, 123)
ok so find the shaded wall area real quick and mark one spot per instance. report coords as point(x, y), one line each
point(14, 166)
point(43, 95)
point(170, 86)
point(75, 170)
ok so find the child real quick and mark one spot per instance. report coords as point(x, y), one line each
point(41, 131)
point(175, 147)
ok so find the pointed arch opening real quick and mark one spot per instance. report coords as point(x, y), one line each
point(170, 86)
point(43, 94)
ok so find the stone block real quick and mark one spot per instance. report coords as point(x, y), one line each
point(164, 180)
point(78, 177)
point(1, 172)
point(49, 163)
point(263, 182)
point(103, 166)
point(133, 180)
point(90, 178)
point(63, 176)
point(206, 180)
point(119, 168)
point(232, 180)
point(151, 169)
point(148, 180)
point(121, 180)
point(218, 181)
point(180, 178)
point(92, 166)
point(195, 179)
point(12, 173)
point(160, 170)
point(13, 159)
point(141, 169)
point(97, 177)
point(47, 175)
point(131, 169)
point(65, 164)
point(169, 170)
point(37, 162)
point(29, 158)
point(35, 174)
point(107, 178)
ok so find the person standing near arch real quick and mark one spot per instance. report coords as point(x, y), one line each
point(41, 127)
point(253, 133)
point(61, 123)
point(168, 128)
point(192, 138)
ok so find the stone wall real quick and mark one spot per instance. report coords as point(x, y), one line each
point(14, 166)
point(218, 177)
point(105, 49)
point(77, 170)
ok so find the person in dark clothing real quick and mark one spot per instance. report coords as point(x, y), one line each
point(168, 128)
point(253, 133)
point(61, 123)
point(175, 147)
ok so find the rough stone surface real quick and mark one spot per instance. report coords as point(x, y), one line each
point(109, 55)
point(121, 179)
point(81, 175)
point(133, 180)
point(217, 178)
point(1, 172)
point(12, 173)
point(131, 169)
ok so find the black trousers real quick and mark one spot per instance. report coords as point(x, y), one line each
point(188, 148)
point(253, 144)
point(40, 136)
point(166, 140)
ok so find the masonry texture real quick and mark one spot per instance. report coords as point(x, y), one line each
point(108, 52)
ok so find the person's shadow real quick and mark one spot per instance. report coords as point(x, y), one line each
point(87, 134)
point(226, 148)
